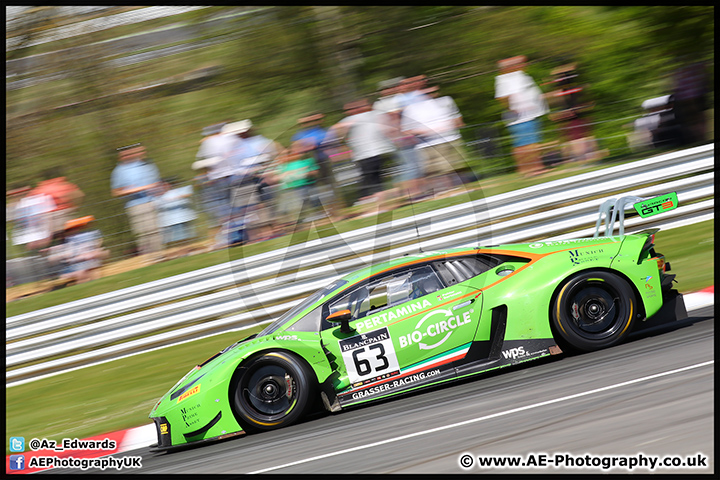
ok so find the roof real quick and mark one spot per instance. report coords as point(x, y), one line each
point(399, 262)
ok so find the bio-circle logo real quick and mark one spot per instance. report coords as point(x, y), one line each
point(323, 214)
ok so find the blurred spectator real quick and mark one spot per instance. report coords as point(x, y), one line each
point(32, 219)
point(136, 179)
point(656, 128)
point(175, 214)
point(390, 92)
point(250, 194)
point(232, 233)
point(211, 196)
point(214, 143)
point(525, 104)
point(67, 197)
point(295, 174)
point(368, 135)
point(313, 137)
point(691, 99)
point(667, 133)
point(213, 154)
point(30, 228)
point(258, 145)
point(570, 113)
point(410, 90)
point(435, 122)
point(16, 193)
point(81, 254)
point(409, 162)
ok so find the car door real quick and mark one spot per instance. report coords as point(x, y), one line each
point(402, 323)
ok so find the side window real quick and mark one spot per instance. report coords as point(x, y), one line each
point(394, 289)
point(460, 269)
point(308, 323)
point(357, 301)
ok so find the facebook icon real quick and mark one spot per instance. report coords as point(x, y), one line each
point(17, 462)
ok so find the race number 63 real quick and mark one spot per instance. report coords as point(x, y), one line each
point(369, 355)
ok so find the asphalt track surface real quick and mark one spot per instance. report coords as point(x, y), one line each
point(653, 395)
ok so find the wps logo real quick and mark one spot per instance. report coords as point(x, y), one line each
point(514, 353)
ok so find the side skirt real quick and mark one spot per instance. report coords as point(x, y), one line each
point(476, 357)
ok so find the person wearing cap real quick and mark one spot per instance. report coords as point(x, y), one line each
point(249, 151)
point(216, 175)
point(136, 180)
point(81, 254)
point(525, 104)
point(251, 196)
point(215, 143)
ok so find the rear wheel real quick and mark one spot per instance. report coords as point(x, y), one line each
point(593, 310)
point(270, 392)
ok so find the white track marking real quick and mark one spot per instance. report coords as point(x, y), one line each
point(488, 417)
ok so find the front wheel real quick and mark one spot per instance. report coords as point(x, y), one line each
point(593, 310)
point(270, 392)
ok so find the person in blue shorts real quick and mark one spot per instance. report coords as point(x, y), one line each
point(525, 105)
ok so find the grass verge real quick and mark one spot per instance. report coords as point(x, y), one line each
point(106, 397)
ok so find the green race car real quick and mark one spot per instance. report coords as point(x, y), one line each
point(422, 320)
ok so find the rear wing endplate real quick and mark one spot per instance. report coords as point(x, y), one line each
point(614, 210)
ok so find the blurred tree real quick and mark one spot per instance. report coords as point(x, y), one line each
point(336, 42)
point(281, 62)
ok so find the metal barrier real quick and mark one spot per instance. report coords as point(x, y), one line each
point(206, 301)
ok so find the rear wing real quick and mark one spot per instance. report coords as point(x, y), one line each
point(614, 210)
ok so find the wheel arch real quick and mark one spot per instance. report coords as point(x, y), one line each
point(312, 374)
point(564, 281)
point(239, 370)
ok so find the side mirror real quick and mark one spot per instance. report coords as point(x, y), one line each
point(343, 318)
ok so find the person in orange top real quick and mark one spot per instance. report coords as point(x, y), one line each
point(66, 195)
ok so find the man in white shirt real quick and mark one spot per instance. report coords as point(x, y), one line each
point(368, 135)
point(525, 104)
point(214, 153)
point(410, 173)
point(435, 122)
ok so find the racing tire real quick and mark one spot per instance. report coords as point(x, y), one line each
point(269, 392)
point(593, 310)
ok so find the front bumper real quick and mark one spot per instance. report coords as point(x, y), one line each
point(200, 413)
point(163, 430)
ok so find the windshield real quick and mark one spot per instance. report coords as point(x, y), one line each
point(302, 306)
